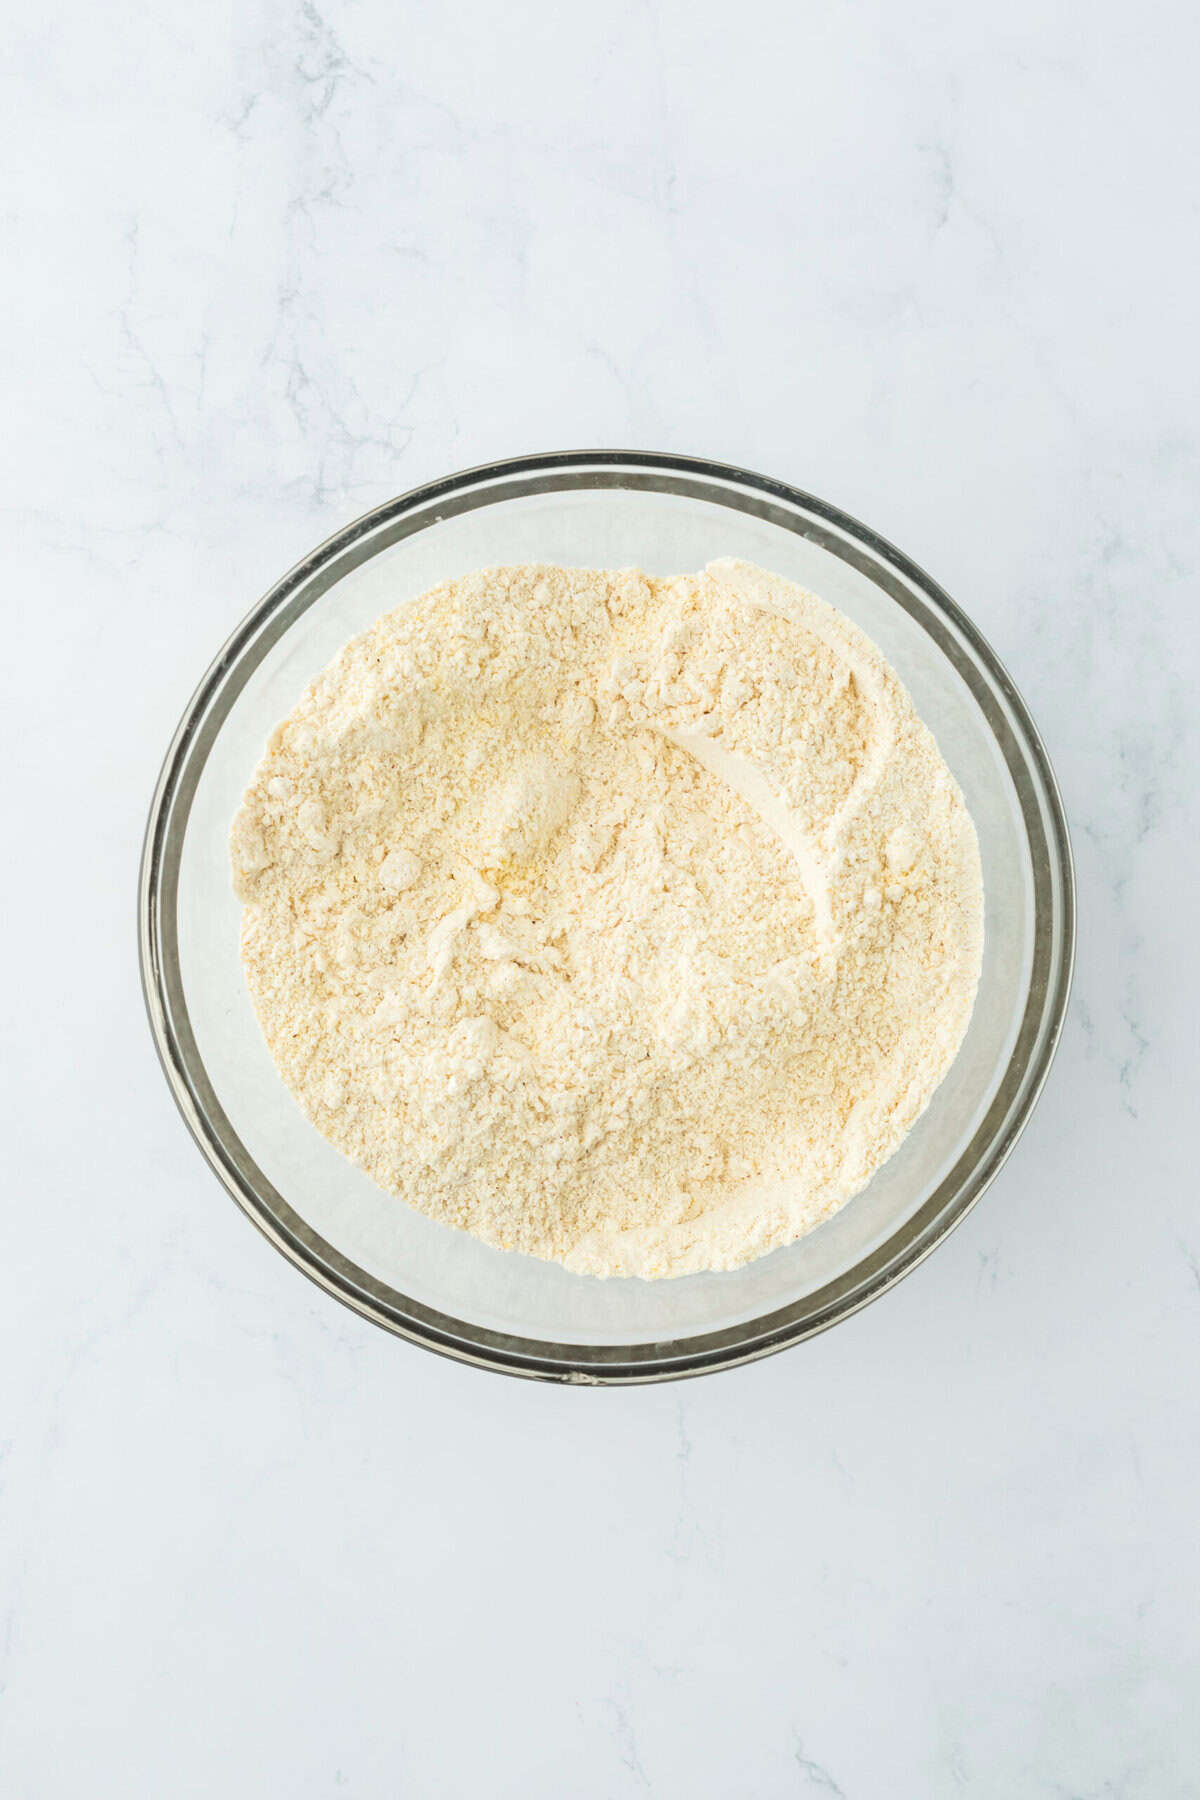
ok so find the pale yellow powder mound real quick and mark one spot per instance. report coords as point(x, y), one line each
point(625, 922)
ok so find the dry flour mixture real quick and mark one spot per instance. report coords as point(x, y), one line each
point(621, 921)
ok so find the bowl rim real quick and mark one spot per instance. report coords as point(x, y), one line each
point(1054, 916)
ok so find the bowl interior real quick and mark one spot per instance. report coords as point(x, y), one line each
point(664, 526)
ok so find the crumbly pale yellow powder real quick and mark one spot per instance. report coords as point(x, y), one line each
point(625, 922)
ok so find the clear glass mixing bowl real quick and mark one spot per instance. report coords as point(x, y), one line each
point(440, 1287)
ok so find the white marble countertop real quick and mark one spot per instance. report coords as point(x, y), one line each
point(267, 266)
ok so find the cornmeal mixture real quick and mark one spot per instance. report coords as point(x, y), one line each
point(621, 921)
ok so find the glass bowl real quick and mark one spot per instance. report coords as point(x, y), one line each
point(443, 1288)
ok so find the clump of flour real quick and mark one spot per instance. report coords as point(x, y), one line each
point(626, 922)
